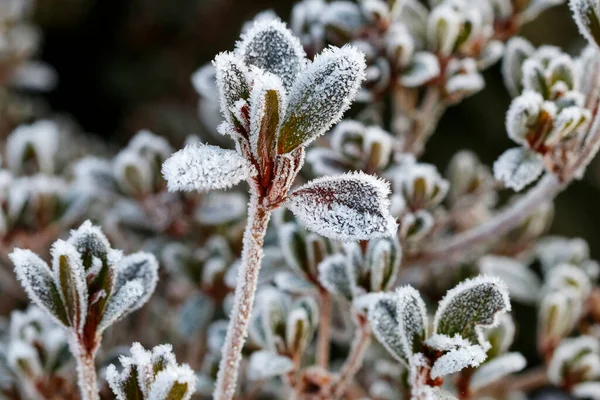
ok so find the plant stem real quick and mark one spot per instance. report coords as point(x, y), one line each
point(323, 340)
point(525, 382)
point(86, 371)
point(252, 253)
point(360, 344)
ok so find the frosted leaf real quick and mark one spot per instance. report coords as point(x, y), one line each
point(271, 46)
point(383, 257)
point(232, 83)
point(566, 276)
point(150, 145)
point(458, 359)
point(204, 167)
point(445, 343)
point(586, 14)
point(291, 283)
point(141, 267)
point(555, 250)
point(522, 114)
point(497, 369)
point(326, 162)
point(432, 393)
point(518, 167)
point(399, 322)
point(443, 29)
point(94, 174)
point(265, 364)
point(90, 242)
point(334, 275)
point(70, 279)
point(424, 68)
point(342, 16)
point(267, 107)
point(558, 313)
point(219, 208)
point(37, 280)
point(465, 84)
point(43, 137)
point(470, 307)
point(133, 172)
point(501, 336)
point(347, 207)
point(174, 383)
point(320, 96)
point(569, 353)
point(523, 284)
point(587, 390)
point(121, 303)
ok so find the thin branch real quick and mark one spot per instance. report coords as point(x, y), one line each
point(530, 380)
point(86, 370)
point(324, 335)
point(360, 344)
point(256, 227)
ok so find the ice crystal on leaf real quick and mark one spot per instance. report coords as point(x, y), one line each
point(269, 45)
point(320, 96)
point(232, 82)
point(518, 167)
point(471, 306)
point(587, 17)
point(522, 283)
point(457, 359)
point(151, 375)
point(204, 167)
point(264, 364)
point(347, 207)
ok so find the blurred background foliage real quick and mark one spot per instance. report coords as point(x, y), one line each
point(125, 65)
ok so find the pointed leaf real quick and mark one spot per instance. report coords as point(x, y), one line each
point(321, 96)
point(333, 275)
point(346, 207)
point(232, 83)
point(523, 284)
point(271, 46)
point(203, 167)
point(470, 307)
point(586, 14)
point(141, 267)
point(458, 359)
point(518, 167)
point(36, 278)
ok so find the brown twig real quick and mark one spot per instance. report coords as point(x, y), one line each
point(324, 338)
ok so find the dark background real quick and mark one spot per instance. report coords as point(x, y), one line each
point(126, 64)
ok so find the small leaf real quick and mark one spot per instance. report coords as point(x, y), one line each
point(518, 167)
point(175, 383)
point(271, 46)
point(470, 307)
point(120, 304)
point(347, 207)
point(334, 275)
point(320, 96)
point(571, 359)
point(204, 167)
point(497, 369)
point(586, 14)
point(265, 364)
point(457, 359)
point(141, 267)
point(399, 322)
point(424, 68)
point(36, 278)
point(232, 82)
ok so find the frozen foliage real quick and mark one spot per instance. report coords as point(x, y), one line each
point(575, 359)
point(497, 369)
point(586, 14)
point(457, 359)
point(204, 167)
point(151, 375)
point(40, 138)
point(320, 96)
point(269, 45)
point(471, 306)
point(517, 168)
point(399, 322)
point(347, 207)
point(264, 364)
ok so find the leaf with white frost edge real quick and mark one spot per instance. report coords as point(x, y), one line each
point(497, 369)
point(516, 52)
point(334, 275)
point(399, 322)
point(587, 390)
point(458, 359)
point(320, 96)
point(70, 279)
point(37, 280)
point(425, 67)
point(121, 303)
point(586, 14)
point(470, 307)
point(567, 352)
point(204, 167)
point(347, 207)
point(232, 83)
point(518, 167)
point(523, 284)
point(177, 383)
point(265, 364)
point(271, 46)
point(141, 267)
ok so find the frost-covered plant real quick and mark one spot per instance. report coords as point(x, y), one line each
point(275, 103)
point(151, 375)
point(88, 287)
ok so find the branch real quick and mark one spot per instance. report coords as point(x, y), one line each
point(323, 340)
point(460, 247)
point(525, 382)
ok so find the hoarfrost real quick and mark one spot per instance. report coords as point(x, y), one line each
point(457, 359)
point(265, 364)
point(497, 369)
point(518, 167)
